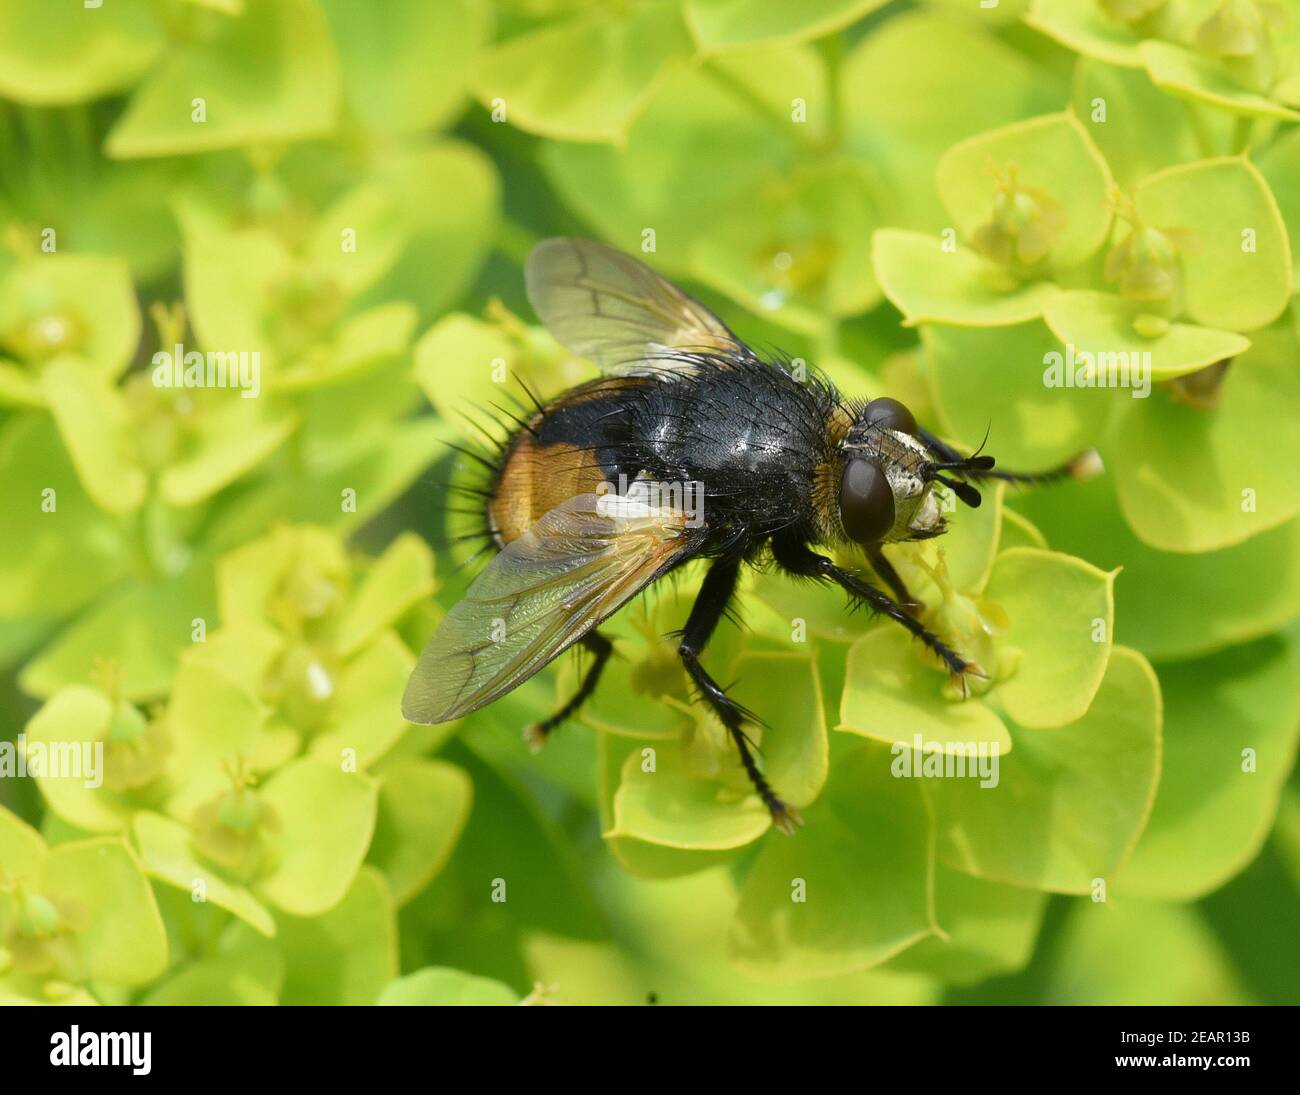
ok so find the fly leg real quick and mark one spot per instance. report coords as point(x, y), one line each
point(801, 560)
point(889, 576)
point(710, 604)
point(601, 648)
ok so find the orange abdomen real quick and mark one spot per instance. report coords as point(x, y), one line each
point(534, 479)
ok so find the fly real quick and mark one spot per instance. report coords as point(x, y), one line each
point(778, 467)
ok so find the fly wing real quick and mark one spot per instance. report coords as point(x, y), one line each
point(575, 566)
point(606, 306)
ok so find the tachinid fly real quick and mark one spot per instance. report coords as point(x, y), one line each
point(691, 445)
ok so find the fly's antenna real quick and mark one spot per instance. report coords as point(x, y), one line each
point(964, 491)
point(1086, 465)
point(974, 463)
point(1081, 468)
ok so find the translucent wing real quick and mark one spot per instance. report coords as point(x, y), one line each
point(575, 566)
point(604, 305)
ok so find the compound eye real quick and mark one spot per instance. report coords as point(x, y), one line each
point(866, 502)
point(891, 414)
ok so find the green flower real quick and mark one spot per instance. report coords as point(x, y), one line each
point(315, 644)
point(295, 845)
point(1025, 226)
point(237, 830)
point(1145, 265)
point(73, 914)
point(1238, 34)
point(213, 602)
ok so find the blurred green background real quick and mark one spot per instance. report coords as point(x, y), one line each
point(922, 199)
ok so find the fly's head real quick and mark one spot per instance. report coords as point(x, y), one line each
point(887, 478)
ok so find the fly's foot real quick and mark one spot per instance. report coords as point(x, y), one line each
point(535, 736)
point(960, 676)
point(784, 816)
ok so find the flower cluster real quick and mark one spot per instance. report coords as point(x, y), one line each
point(257, 257)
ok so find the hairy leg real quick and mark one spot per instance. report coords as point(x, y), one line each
point(801, 560)
point(710, 605)
point(889, 576)
point(601, 648)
